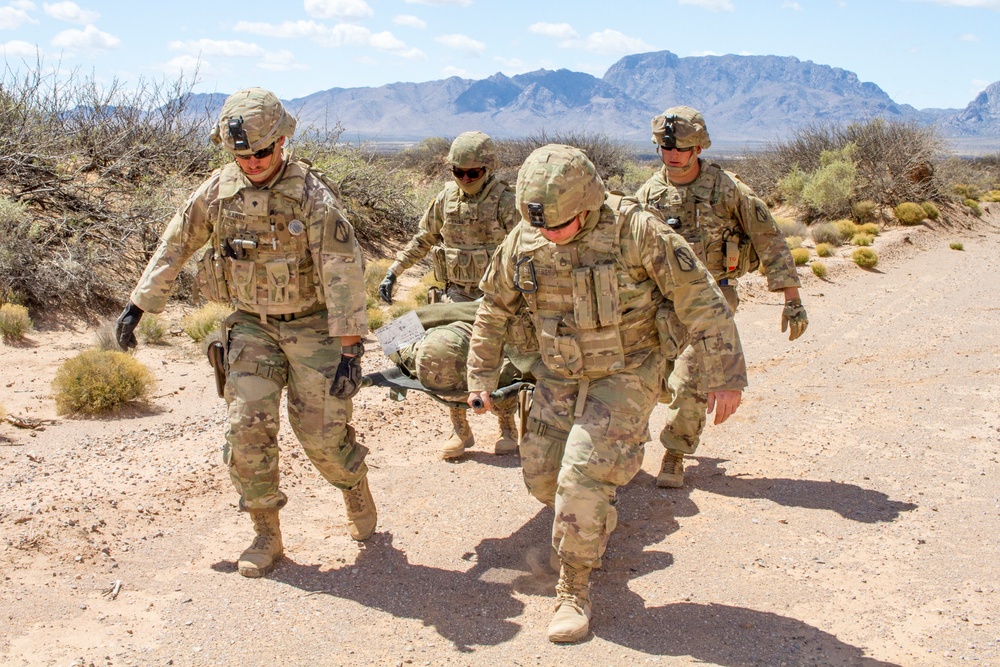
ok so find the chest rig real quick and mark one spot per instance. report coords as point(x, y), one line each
point(592, 310)
point(697, 212)
point(471, 231)
point(261, 239)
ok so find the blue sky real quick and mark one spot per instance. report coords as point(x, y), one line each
point(928, 53)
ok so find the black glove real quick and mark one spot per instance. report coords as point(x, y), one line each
point(347, 381)
point(125, 327)
point(385, 288)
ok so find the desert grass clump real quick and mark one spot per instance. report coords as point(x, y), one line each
point(967, 191)
point(825, 232)
point(205, 320)
point(401, 307)
point(99, 381)
point(931, 209)
point(862, 239)
point(824, 249)
point(792, 227)
point(865, 210)
point(974, 207)
point(846, 227)
point(793, 242)
point(991, 196)
point(14, 322)
point(800, 255)
point(869, 228)
point(909, 213)
point(374, 275)
point(152, 330)
point(818, 269)
point(426, 282)
point(104, 337)
point(865, 257)
point(376, 318)
point(956, 246)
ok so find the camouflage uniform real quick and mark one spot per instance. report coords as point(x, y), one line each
point(597, 303)
point(286, 257)
point(463, 225)
point(732, 232)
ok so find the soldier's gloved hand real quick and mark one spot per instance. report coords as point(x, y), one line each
point(793, 317)
point(385, 288)
point(125, 327)
point(347, 381)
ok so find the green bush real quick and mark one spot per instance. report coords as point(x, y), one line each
point(791, 184)
point(909, 213)
point(824, 249)
point(98, 381)
point(152, 330)
point(865, 257)
point(791, 227)
point(205, 320)
point(862, 239)
point(14, 322)
point(818, 269)
point(991, 196)
point(847, 228)
point(800, 255)
point(966, 191)
point(931, 209)
point(793, 241)
point(956, 246)
point(865, 210)
point(825, 232)
point(974, 206)
point(869, 228)
point(829, 189)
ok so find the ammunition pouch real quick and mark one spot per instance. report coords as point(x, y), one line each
point(211, 277)
point(458, 266)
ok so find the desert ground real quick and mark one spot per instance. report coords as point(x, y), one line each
point(848, 514)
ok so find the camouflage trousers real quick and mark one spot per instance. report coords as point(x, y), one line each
point(686, 402)
point(262, 360)
point(574, 457)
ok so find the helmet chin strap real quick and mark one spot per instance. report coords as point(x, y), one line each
point(473, 187)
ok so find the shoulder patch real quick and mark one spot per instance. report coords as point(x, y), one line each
point(760, 210)
point(685, 258)
point(341, 232)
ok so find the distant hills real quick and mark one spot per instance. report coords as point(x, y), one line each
point(746, 100)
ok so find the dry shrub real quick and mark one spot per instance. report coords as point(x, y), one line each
point(824, 249)
point(825, 232)
point(800, 255)
point(865, 210)
point(909, 213)
point(967, 190)
point(862, 239)
point(847, 228)
point(99, 381)
point(990, 197)
point(374, 275)
point(376, 318)
point(152, 330)
point(818, 269)
point(429, 157)
point(865, 257)
point(205, 320)
point(793, 242)
point(14, 322)
point(612, 158)
point(104, 337)
point(974, 207)
point(869, 228)
point(791, 227)
point(956, 246)
point(931, 210)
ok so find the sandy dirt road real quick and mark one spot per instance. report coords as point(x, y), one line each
point(849, 514)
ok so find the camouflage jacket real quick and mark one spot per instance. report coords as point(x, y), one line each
point(302, 231)
point(461, 231)
point(653, 269)
point(725, 223)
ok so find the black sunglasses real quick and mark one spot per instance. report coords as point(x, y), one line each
point(261, 154)
point(473, 173)
point(677, 148)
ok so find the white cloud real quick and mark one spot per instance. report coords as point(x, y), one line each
point(343, 34)
point(409, 21)
point(451, 70)
point(561, 31)
point(70, 12)
point(975, 4)
point(791, 4)
point(218, 47)
point(14, 17)
point(513, 65)
point(704, 53)
point(280, 61)
point(344, 10)
point(19, 49)
point(26, 5)
point(462, 43)
point(440, 3)
point(90, 39)
point(287, 29)
point(968, 37)
point(710, 5)
point(611, 42)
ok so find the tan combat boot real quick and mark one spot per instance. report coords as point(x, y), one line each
point(571, 621)
point(361, 513)
point(462, 437)
point(507, 441)
point(266, 549)
point(671, 470)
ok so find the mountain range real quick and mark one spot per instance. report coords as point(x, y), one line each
point(746, 101)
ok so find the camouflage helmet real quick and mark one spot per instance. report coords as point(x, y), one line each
point(441, 357)
point(680, 127)
point(252, 119)
point(473, 149)
point(555, 184)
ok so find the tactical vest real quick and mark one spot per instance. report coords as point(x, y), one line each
point(471, 231)
point(591, 311)
point(260, 246)
point(702, 219)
